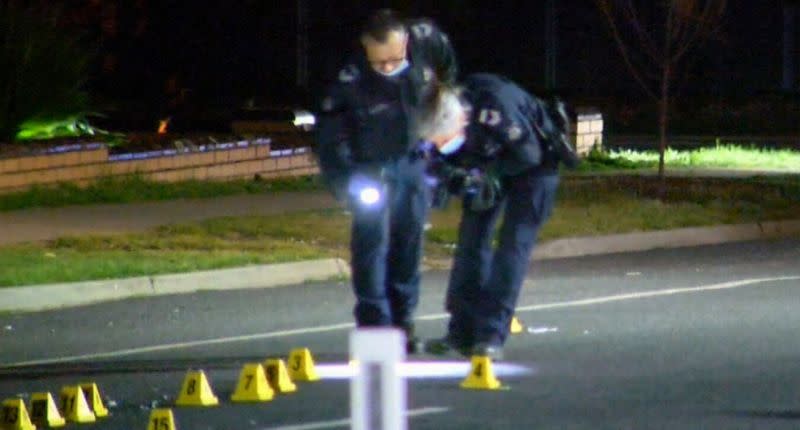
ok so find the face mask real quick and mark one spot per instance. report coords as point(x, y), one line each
point(397, 70)
point(453, 145)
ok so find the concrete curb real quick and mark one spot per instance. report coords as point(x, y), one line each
point(677, 238)
point(53, 296)
point(43, 297)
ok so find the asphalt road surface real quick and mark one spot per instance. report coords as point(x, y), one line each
point(695, 338)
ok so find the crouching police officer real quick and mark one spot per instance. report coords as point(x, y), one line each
point(505, 158)
point(365, 143)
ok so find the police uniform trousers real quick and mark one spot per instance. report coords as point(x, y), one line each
point(485, 283)
point(386, 247)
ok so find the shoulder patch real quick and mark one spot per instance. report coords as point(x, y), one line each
point(422, 30)
point(427, 74)
point(490, 117)
point(514, 132)
point(349, 73)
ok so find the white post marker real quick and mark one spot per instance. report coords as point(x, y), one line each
point(377, 390)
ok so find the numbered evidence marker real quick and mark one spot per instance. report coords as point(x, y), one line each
point(253, 385)
point(74, 406)
point(301, 365)
point(196, 391)
point(92, 395)
point(516, 326)
point(278, 376)
point(161, 419)
point(481, 376)
point(15, 416)
point(377, 390)
point(44, 411)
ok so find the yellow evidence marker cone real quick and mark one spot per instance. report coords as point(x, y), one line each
point(15, 416)
point(92, 394)
point(301, 365)
point(516, 326)
point(161, 419)
point(196, 391)
point(481, 376)
point(278, 376)
point(44, 411)
point(253, 385)
point(74, 405)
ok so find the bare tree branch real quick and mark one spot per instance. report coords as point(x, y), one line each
point(631, 14)
point(704, 24)
point(607, 9)
point(686, 23)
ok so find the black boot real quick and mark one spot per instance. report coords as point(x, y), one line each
point(413, 343)
point(447, 346)
point(488, 349)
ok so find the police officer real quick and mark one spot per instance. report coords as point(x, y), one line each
point(505, 159)
point(365, 140)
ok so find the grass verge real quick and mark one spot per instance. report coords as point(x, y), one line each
point(134, 188)
point(129, 189)
point(586, 206)
point(718, 157)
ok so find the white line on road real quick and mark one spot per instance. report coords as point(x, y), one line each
point(179, 345)
point(346, 421)
point(657, 293)
point(431, 317)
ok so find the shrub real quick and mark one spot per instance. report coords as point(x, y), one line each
point(42, 68)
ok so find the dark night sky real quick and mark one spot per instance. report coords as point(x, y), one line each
point(227, 50)
point(508, 37)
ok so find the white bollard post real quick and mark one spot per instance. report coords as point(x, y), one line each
point(377, 390)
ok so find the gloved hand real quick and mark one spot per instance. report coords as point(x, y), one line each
point(461, 181)
point(474, 180)
point(481, 190)
point(423, 150)
point(486, 195)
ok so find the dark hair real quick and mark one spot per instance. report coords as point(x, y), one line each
point(381, 23)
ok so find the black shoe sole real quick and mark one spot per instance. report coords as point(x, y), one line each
point(494, 354)
point(442, 348)
point(414, 346)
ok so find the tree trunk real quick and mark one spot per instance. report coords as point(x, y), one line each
point(663, 111)
point(663, 118)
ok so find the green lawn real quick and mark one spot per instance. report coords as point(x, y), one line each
point(129, 189)
point(586, 206)
point(720, 156)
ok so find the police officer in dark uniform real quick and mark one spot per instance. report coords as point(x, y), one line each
point(365, 137)
point(506, 160)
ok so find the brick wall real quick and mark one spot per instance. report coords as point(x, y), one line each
point(86, 163)
point(588, 131)
point(83, 164)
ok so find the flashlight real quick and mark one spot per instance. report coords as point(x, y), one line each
point(369, 195)
point(365, 191)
